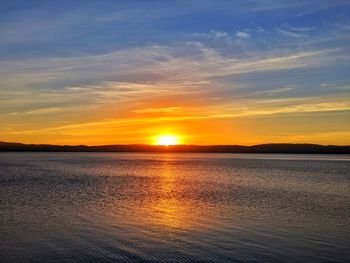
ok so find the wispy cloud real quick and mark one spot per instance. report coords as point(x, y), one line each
point(159, 110)
point(38, 111)
point(225, 111)
point(148, 72)
point(242, 34)
point(289, 33)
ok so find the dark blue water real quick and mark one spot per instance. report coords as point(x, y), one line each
point(116, 207)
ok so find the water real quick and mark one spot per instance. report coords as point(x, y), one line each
point(136, 207)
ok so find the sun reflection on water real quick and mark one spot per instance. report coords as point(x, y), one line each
point(170, 209)
point(160, 198)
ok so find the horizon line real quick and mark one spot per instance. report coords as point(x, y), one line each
point(174, 145)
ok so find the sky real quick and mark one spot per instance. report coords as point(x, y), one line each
point(211, 72)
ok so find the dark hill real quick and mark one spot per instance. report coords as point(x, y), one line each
point(262, 148)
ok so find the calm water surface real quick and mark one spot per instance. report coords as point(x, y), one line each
point(134, 207)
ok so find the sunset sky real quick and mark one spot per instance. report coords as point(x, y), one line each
point(211, 72)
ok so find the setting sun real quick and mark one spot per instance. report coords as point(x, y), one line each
point(167, 140)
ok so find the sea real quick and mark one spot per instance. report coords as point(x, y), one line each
point(174, 207)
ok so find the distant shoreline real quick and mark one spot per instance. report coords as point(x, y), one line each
point(261, 148)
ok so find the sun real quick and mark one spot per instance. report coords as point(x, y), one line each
point(167, 140)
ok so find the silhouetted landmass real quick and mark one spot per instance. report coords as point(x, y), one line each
point(262, 148)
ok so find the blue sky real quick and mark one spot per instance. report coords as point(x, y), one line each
point(68, 65)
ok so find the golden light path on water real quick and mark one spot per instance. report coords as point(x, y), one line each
point(166, 200)
point(170, 211)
